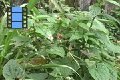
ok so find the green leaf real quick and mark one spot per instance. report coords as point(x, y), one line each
point(84, 26)
point(57, 65)
point(7, 41)
point(104, 38)
point(108, 21)
point(44, 30)
point(76, 36)
point(38, 76)
point(13, 70)
point(65, 22)
point(97, 25)
point(58, 51)
point(94, 10)
point(67, 9)
point(57, 6)
point(96, 52)
point(93, 40)
point(86, 37)
point(31, 22)
point(31, 4)
point(64, 71)
point(42, 17)
point(61, 71)
point(111, 18)
point(35, 10)
point(3, 23)
point(113, 72)
point(1, 38)
point(102, 71)
point(20, 38)
point(113, 2)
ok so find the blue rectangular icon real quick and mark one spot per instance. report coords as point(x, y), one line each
point(17, 9)
point(17, 17)
point(16, 24)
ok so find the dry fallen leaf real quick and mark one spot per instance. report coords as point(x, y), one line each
point(38, 61)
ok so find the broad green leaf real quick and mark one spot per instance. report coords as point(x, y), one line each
point(108, 21)
point(20, 38)
point(13, 70)
point(89, 63)
point(82, 15)
point(42, 11)
point(101, 71)
point(61, 71)
point(51, 19)
point(114, 2)
point(113, 72)
point(111, 18)
point(84, 26)
point(97, 25)
point(57, 65)
point(114, 48)
point(58, 51)
point(94, 41)
point(44, 30)
point(76, 36)
point(106, 54)
point(35, 10)
point(38, 76)
point(65, 22)
point(94, 10)
point(90, 34)
point(42, 16)
point(31, 4)
point(67, 9)
point(104, 38)
point(31, 22)
point(96, 52)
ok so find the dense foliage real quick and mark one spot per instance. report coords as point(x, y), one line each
point(61, 43)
